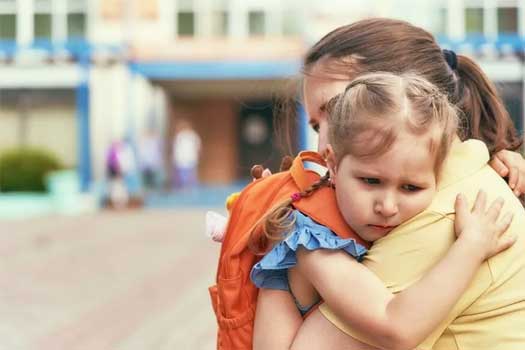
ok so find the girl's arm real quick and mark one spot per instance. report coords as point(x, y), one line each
point(512, 165)
point(403, 320)
point(277, 320)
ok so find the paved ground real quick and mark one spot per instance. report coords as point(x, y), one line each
point(134, 281)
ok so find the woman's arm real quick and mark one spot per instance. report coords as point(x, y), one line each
point(403, 320)
point(278, 324)
point(276, 320)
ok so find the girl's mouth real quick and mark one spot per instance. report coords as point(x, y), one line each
point(383, 227)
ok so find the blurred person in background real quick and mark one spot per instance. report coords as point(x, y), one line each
point(150, 157)
point(186, 152)
point(124, 182)
point(118, 195)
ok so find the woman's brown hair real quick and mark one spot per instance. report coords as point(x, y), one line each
point(388, 45)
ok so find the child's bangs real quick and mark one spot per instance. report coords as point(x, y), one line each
point(372, 142)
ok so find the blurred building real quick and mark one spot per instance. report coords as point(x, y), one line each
point(78, 74)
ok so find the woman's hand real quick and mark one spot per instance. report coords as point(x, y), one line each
point(480, 227)
point(512, 165)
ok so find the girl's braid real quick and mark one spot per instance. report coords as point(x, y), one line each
point(323, 181)
point(279, 220)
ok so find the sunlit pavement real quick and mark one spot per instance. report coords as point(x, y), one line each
point(132, 280)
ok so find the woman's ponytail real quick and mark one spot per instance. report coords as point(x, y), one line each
point(485, 113)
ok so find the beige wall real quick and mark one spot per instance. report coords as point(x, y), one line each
point(8, 128)
point(55, 129)
point(52, 128)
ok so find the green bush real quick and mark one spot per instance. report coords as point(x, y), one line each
point(25, 169)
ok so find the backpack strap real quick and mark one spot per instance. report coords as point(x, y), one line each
point(299, 173)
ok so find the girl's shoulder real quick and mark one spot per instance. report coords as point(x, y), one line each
point(311, 235)
point(270, 271)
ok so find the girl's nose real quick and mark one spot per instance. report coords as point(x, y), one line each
point(386, 206)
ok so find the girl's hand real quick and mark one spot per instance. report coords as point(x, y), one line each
point(481, 227)
point(512, 165)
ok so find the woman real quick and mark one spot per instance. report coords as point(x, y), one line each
point(396, 46)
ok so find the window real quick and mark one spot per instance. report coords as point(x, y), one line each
point(474, 20)
point(508, 20)
point(7, 27)
point(256, 23)
point(186, 23)
point(42, 29)
point(511, 93)
point(76, 18)
point(76, 25)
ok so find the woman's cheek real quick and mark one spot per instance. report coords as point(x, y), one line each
point(323, 137)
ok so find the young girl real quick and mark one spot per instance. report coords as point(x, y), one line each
point(388, 138)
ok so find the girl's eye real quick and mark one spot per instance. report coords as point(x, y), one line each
point(411, 188)
point(370, 180)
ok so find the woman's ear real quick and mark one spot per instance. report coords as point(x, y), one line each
point(331, 162)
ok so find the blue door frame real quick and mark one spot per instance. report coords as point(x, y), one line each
point(83, 129)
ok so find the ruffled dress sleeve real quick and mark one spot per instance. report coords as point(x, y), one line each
point(271, 271)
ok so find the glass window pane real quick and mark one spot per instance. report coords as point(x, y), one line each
point(186, 23)
point(76, 25)
point(43, 26)
point(7, 27)
point(220, 23)
point(508, 20)
point(512, 93)
point(256, 22)
point(474, 20)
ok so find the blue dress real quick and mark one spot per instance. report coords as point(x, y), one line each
point(272, 270)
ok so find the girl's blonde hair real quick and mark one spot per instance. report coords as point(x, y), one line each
point(365, 121)
point(375, 108)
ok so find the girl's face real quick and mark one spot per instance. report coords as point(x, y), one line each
point(318, 88)
point(376, 195)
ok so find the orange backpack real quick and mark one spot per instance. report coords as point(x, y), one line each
point(234, 296)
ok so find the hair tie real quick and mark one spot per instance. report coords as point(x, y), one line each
point(296, 196)
point(451, 58)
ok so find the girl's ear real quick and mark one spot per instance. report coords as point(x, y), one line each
point(331, 162)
